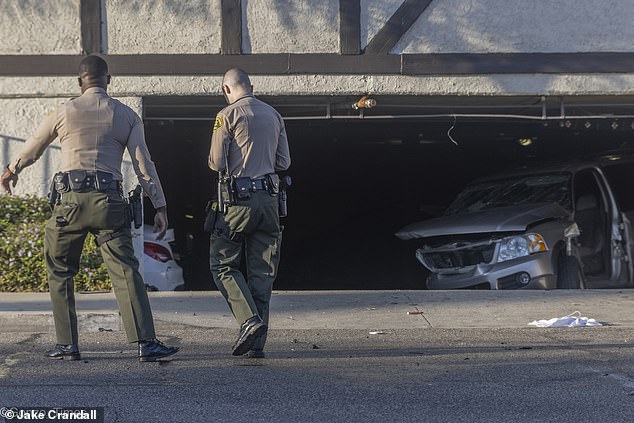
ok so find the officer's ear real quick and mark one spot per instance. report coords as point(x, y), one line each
point(108, 79)
point(226, 89)
point(79, 80)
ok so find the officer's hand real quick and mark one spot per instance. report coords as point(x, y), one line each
point(160, 222)
point(6, 178)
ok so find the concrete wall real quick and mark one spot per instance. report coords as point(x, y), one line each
point(492, 26)
point(446, 26)
point(163, 26)
point(20, 119)
point(290, 26)
point(40, 27)
point(304, 26)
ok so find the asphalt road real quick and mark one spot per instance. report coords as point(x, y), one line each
point(337, 375)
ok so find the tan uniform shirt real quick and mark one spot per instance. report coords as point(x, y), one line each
point(94, 129)
point(253, 134)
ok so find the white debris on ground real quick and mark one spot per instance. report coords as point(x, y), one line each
point(572, 320)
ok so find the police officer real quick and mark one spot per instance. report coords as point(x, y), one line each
point(249, 141)
point(94, 129)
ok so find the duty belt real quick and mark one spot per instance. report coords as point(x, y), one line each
point(246, 184)
point(243, 187)
point(259, 184)
point(84, 181)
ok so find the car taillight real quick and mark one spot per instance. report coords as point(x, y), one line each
point(157, 252)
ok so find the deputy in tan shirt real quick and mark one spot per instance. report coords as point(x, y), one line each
point(255, 138)
point(94, 130)
point(250, 136)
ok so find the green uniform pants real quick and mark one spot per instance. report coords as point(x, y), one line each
point(100, 213)
point(252, 225)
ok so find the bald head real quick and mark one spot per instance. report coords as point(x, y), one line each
point(93, 72)
point(236, 84)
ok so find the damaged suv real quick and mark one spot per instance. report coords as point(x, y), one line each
point(559, 226)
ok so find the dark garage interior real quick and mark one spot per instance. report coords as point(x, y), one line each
point(358, 179)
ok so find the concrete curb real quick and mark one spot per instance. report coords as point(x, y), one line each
point(371, 310)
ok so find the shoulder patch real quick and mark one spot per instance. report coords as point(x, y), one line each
point(218, 122)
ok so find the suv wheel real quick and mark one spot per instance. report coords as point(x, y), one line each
point(569, 274)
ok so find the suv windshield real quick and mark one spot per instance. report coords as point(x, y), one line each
point(509, 192)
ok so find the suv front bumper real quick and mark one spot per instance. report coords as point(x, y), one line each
point(505, 275)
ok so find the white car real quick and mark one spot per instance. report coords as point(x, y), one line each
point(160, 270)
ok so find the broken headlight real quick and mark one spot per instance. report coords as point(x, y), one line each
point(520, 246)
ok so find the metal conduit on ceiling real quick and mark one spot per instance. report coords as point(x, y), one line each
point(405, 107)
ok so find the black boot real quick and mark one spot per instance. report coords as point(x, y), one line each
point(153, 349)
point(61, 352)
point(250, 331)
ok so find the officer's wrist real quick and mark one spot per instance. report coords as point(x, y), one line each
point(161, 209)
point(14, 168)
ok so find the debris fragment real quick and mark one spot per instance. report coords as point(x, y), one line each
point(571, 320)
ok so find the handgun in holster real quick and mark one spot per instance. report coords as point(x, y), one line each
point(59, 185)
point(53, 196)
point(136, 206)
point(225, 192)
point(285, 182)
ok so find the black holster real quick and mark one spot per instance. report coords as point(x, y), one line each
point(53, 196)
point(285, 182)
point(136, 206)
point(225, 194)
point(211, 215)
point(59, 185)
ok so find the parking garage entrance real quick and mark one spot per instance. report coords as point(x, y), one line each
point(359, 176)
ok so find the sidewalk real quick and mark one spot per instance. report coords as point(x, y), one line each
point(371, 310)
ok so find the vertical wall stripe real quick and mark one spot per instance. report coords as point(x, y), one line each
point(91, 35)
point(231, 27)
point(349, 26)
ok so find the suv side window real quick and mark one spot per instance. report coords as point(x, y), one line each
point(587, 191)
point(620, 177)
